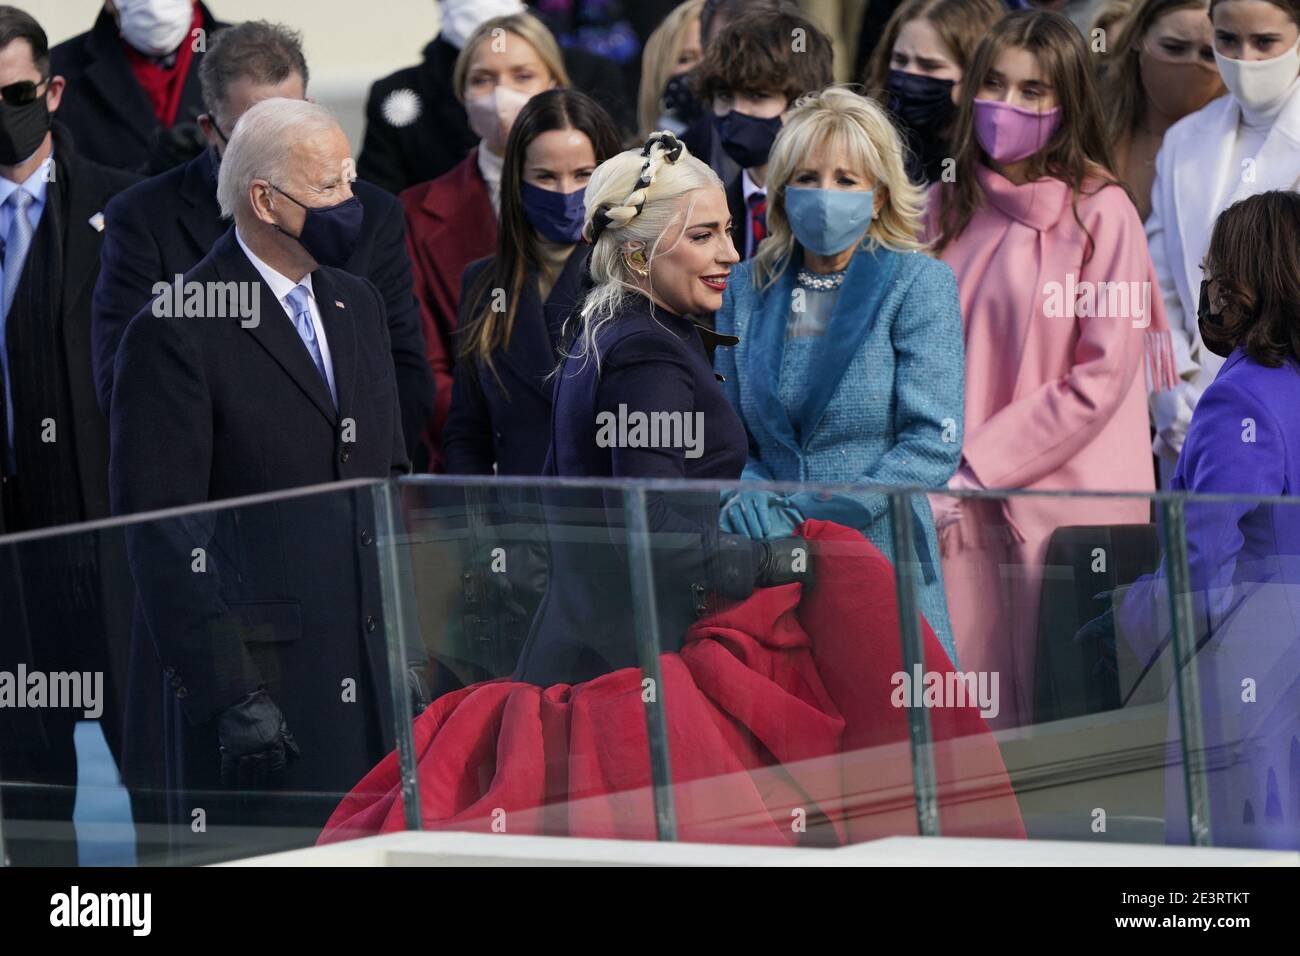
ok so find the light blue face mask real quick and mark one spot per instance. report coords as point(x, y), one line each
point(827, 221)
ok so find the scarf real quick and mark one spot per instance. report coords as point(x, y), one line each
point(163, 84)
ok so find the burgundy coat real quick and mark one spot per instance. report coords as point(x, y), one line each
point(449, 224)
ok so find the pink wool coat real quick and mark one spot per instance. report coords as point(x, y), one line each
point(1059, 354)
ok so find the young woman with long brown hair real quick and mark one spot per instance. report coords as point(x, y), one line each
point(1160, 69)
point(916, 71)
point(1045, 243)
point(516, 300)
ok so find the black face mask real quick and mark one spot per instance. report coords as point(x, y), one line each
point(747, 139)
point(22, 130)
point(1207, 321)
point(924, 109)
point(922, 102)
point(680, 102)
point(329, 233)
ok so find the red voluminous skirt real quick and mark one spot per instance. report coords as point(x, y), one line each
point(787, 724)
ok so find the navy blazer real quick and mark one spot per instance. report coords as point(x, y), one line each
point(111, 118)
point(650, 362)
point(160, 228)
point(289, 598)
point(504, 419)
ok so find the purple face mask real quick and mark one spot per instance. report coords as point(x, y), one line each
point(1010, 134)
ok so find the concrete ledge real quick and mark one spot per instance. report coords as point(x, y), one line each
point(482, 849)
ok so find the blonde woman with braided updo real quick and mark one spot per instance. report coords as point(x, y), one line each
point(661, 256)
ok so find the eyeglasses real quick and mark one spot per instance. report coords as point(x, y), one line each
point(23, 92)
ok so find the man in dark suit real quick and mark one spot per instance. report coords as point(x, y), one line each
point(133, 83)
point(53, 442)
point(416, 127)
point(263, 622)
point(161, 228)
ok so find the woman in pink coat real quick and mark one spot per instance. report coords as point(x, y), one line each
point(1063, 335)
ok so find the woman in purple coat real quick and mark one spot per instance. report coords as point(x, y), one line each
point(1244, 552)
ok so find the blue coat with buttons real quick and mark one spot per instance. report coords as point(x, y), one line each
point(884, 406)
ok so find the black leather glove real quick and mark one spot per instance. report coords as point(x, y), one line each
point(255, 742)
point(785, 561)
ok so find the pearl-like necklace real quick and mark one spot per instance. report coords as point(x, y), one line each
point(822, 283)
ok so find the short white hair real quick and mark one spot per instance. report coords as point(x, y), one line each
point(260, 146)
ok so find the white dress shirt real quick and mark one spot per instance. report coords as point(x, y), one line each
point(490, 167)
point(280, 286)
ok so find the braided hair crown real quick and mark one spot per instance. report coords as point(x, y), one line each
point(660, 148)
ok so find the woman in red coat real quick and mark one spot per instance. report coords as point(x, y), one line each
point(452, 220)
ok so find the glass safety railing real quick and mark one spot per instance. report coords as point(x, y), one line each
point(803, 666)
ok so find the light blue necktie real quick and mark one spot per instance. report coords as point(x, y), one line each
point(299, 299)
point(17, 244)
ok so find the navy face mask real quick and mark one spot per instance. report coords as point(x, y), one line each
point(925, 110)
point(557, 217)
point(922, 102)
point(329, 233)
point(747, 139)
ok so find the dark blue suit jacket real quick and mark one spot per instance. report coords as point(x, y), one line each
point(289, 598)
point(505, 418)
point(650, 362)
point(160, 228)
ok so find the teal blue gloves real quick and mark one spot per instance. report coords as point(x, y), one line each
point(766, 514)
point(758, 515)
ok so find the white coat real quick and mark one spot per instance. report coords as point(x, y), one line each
point(1193, 184)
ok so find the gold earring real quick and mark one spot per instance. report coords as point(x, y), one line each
point(638, 259)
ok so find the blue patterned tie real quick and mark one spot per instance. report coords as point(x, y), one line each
point(298, 299)
point(17, 244)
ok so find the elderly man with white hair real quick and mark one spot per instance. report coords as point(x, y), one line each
point(261, 370)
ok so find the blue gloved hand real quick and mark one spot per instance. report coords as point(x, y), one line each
point(758, 514)
point(840, 509)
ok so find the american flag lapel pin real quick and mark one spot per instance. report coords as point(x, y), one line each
point(97, 222)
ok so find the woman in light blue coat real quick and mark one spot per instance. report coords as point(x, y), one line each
point(849, 368)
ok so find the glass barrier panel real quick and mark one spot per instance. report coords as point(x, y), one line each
point(1232, 569)
point(780, 610)
point(802, 666)
point(526, 707)
point(196, 686)
point(1033, 583)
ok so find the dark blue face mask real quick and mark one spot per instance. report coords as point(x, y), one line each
point(556, 216)
point(747, 139)
point(922, 102)
point(329, 233)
